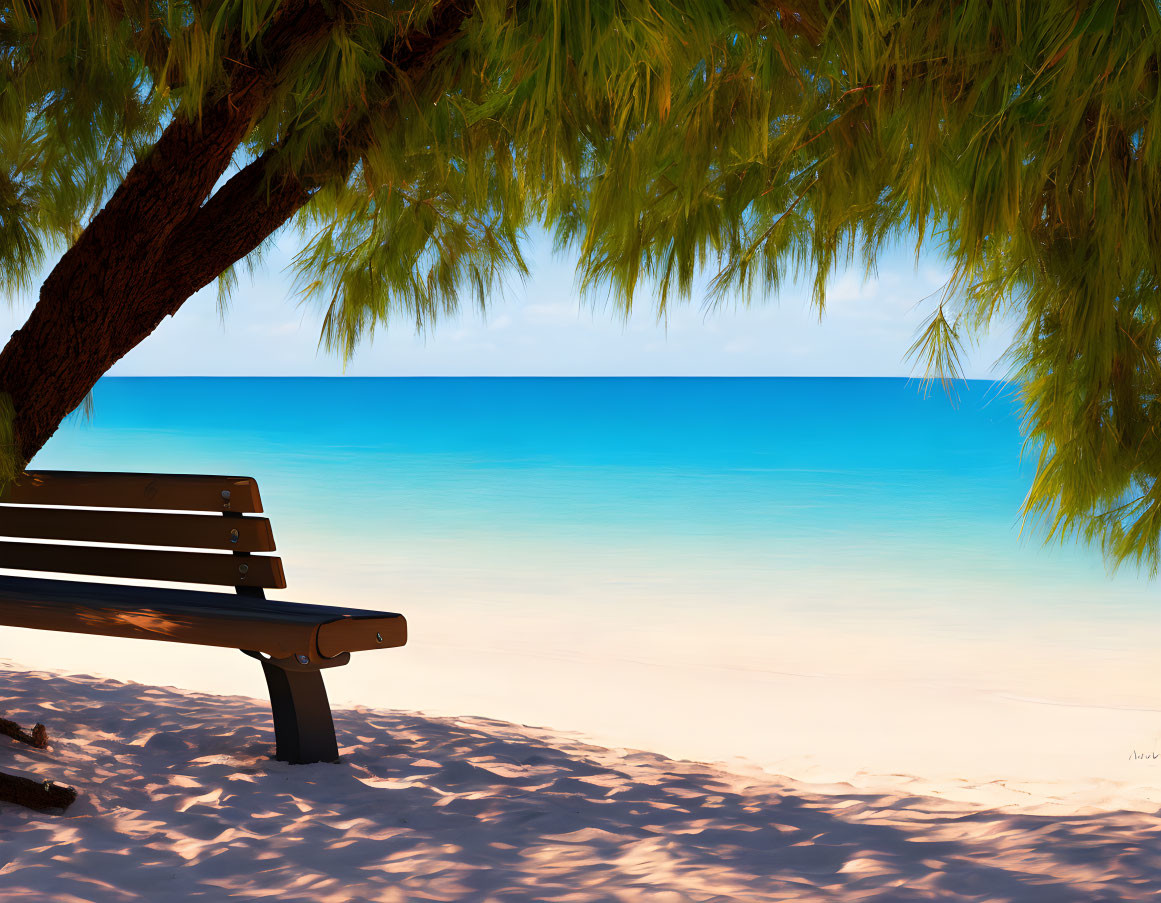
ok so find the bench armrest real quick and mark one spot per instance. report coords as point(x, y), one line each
point(361, 632)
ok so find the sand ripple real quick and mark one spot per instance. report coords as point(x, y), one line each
point(180, 802)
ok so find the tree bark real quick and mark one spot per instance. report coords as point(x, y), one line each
point(156, 243)
point(107, 292)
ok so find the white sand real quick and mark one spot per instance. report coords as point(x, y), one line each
point(180, 801)
point(1047, 716)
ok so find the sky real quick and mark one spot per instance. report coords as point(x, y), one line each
point(542, 327)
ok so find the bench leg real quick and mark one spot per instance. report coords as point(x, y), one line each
point(303, 729)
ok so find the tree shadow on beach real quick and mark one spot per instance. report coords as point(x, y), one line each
point(181, 801)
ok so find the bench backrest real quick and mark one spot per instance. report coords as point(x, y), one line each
point(77, 506)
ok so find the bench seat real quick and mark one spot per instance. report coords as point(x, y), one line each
point(279, 629)
point(180, 528)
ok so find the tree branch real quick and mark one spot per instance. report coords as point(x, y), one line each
point(410, 56)
point(171, 182)
point(242, 214)
point(96, 304)
point(259, 199)
point(155, 242)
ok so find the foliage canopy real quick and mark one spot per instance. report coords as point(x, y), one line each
point(657, 139)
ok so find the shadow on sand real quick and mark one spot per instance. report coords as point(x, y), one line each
point(180, 802)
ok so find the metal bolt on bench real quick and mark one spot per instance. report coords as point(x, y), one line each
point(293, 641)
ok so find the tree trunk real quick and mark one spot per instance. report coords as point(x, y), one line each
point(97, 309)
point(112, 288)
point(158, 240)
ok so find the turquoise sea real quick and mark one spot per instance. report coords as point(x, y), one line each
point(587, 539)
point(742, 483)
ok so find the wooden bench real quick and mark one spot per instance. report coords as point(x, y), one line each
point(294, 642)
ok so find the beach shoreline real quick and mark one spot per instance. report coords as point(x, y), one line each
point(1006, 744)
point(826, 578)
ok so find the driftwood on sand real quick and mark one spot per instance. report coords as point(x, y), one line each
point(39, 795)
point(38, 737)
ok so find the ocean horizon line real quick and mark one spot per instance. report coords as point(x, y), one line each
point(556, 376)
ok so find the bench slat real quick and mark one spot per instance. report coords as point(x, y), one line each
point(197, 531)
point(189, 616)
point(177, 492)
point(145, 564)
